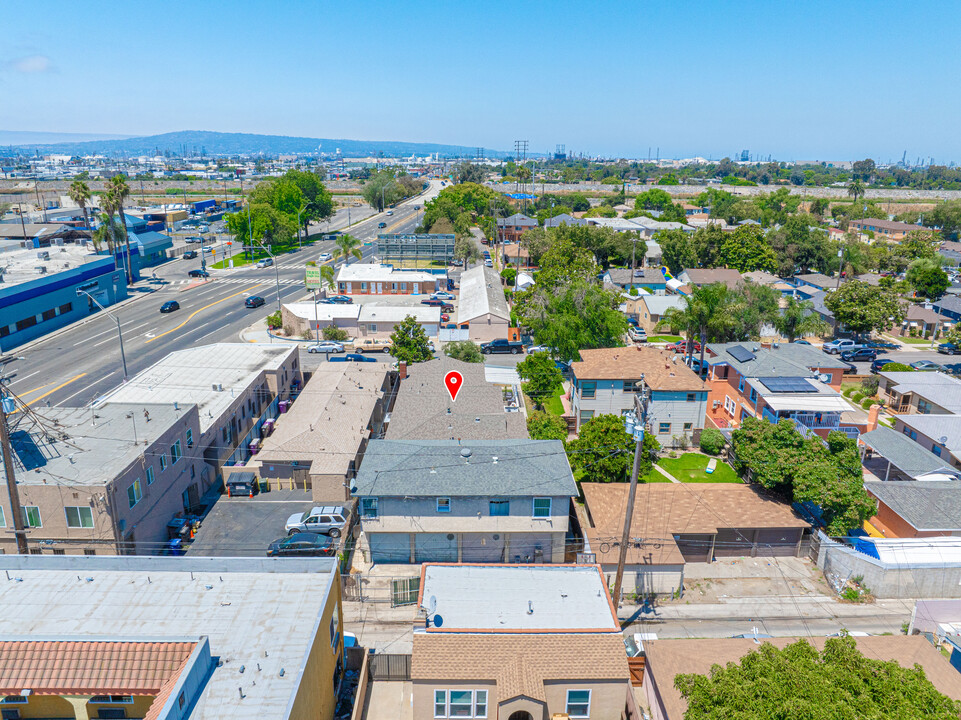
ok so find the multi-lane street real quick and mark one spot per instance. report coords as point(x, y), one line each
point(74, 366)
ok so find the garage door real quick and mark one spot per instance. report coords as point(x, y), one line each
point(777, 542)
point(734, 542)
point(435, 547)
point(694, 548)
point(389, 547)
point(530, 547)
point(482, 547)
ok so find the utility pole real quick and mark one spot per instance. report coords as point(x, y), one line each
point(6, 405)
point(636, 427)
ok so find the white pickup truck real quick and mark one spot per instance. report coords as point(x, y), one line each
point(370, 345)
point(836, 347)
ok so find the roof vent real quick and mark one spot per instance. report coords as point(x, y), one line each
point(465, 453)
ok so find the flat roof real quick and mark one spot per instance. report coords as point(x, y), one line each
point(375, 313)
point(367, 272)
point(517, 598)
point(87, 446)
point(190, 376)
point(254, 611)
point(21, 266)
point(323, 311)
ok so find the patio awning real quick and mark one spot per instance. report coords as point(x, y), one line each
point(905, 454)
point(806, 402)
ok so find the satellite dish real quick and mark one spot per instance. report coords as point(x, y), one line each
point(943, 439)
point(438, 621)
point(825, 378)
point(431, 605)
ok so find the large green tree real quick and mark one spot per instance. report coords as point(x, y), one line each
point(947, 216)
point(541, 377)
point(861, 307)
point(469, 172)
point(747, 249)
point(465, 248)
point(801, 469)
point(544, 426)
point(464, 350)
point(409, 342)
point(381, 189)
point(709, 313)
point(269, 225)
point(801, 683)
point(798, 319)
point(604, 452)
point(927, 278)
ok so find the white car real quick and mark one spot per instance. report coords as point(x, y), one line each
point(489, 263)
point(326, 346)
point(324, 257)
point(329, 520)
point(637, 334)
point(390, 212)
point(442, 295)
point(539, 348)
point(266, 262)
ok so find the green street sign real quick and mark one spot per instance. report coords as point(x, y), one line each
point(313, 278)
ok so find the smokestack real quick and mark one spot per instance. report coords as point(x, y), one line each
point(873, 417)
point(402, 370)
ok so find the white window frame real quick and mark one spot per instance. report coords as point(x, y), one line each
point(550, 507)
point(469, 703)
point(124, 700)
point(729, 405)
point(442, 698)
point(567, 704)
point(443, 504)
point(443, 702)
point(189, 434)
point(79, 509)
point(26, 516)
point(365, 512)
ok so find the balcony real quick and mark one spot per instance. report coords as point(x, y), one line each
point(817, 421)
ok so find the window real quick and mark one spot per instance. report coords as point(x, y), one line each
point(14, 700)
point(393, 287)
point(111, 700)
point(79, 517)
point(588, 389)
point(924, 407)
point(403, 287)
point(740, 384)
point(586, 415)
point(631, 386)
point(175, 453)
point(49, 314)
point(542, 507)
point(163, 462)
point(27, 322)
point(368, 507)
point(443, 504)
point(3, 519)
point(335, 628)
point(578, 703)
point(150, 476)
point(664, 429)
point(688, 427)
point(460, 703)
point(500, 508)
point(729, 405)
point(363, 286)
point(373, 327)
point(190, 435)
point(936, 450)
point(89, 551)
point(134, 493)
point(692, 397)
point(753, 395)
point(67, 307)
point(31, 516)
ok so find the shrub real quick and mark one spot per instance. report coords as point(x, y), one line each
point(334, 333)
point(632, 292)
point(897, 367)
point(712, 441)
point(273, 320)
point(857, 397)
point(466, 351)
point(868, 402)
point(870, 385)
point(509, 274)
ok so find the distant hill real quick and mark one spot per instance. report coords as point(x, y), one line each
point(31, 137)
point(218, 143)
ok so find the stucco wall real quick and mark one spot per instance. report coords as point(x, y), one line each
point(315, 698)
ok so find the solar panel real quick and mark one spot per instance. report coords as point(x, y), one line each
point(740, 353)
point(788, 385)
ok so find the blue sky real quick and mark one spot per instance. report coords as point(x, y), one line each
point(813, 80)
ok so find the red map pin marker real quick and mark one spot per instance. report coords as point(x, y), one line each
point(453, 380)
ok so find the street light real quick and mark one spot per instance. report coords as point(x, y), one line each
point(123, 358)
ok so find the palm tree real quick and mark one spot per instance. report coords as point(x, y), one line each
point(798, 319)
point(118, 190)
point(709, 313)
point(327, 277)
point(856, 189)
point(348, 245)
point(79, 192)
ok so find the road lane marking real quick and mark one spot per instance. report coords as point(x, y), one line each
point(50, 392)
point(35, 372)
point(190, 317)
point(28, 392)
point(86, 340)
point(136, 327)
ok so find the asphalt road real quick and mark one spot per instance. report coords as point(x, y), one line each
point(74, 366)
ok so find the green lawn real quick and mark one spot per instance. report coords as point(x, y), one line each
point(664, 338)
point(916, 340)
point(690, 467)
point(553, 406)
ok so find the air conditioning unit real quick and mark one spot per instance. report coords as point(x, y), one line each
point(43, 255)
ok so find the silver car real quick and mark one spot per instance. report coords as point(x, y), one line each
point(328, 520)
point(326, 346)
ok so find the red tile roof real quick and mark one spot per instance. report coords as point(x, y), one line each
point(89, 668)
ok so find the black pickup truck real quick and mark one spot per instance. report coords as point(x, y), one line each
point(501, 345)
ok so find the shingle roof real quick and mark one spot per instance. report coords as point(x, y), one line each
point(923, 314)
point(924, 504)
point(67, 667)
point(517, 219)
point(660, 304)
point(905, 454)
point(709, 276)
point(669, 658)
point(788, 360)
point(519, 664)
point(512, 468)
point(948, 302)
point(626, 276)
point(563, 219)
point(817, 300)
point(661, 369)
point(761, 278)
point(481, 293)
point(420, 410)
point(662, 510)
point(936, 387)
point(817, 279)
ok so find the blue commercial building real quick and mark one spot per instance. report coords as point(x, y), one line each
point(40, 290)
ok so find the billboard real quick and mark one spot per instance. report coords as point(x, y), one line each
point(416, 250)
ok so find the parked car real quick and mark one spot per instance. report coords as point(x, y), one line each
point(801, 342)
point(302, 545)
point(193, 239)
point(432, 301)
point(637, 334)
point(849, 369)
point(351, 357)
point(390, 212)
point(266, 262)
point(539, 348)
point(371, 345)
point(341, 299)
point(881, 345)
point(879, 364)
point(197, 272)
point(489, 263)
point(324, 257)
point(681, 346)
point(207, 249)
point(926, 366)
point(444, 317)
point(189, 254)
point(838, 346)
point(859, 354)
point(254, 301)
point(948, 349)
point(170, 306)
point(501, 345)
point(326, 346)
point(443, 295)
point(326, 520)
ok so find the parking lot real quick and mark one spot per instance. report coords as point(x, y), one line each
point(245, 526)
